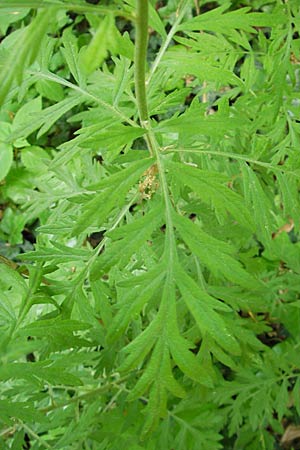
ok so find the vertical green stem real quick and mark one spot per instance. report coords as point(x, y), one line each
point(141, 42)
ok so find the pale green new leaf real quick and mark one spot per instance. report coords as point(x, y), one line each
point(6, 159)
point(70, 53)
point(24, 51)
point(43, 119)
point(6, 150)
point(92, 56)
point(9, 16)
point(10, 277)
point(123, 74)
point(156, 22)
point(84, 310)
point(26, 120)
point(51, 114)
point(7, 312)
point(159, 103)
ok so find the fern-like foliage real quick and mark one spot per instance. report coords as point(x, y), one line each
point(159, 307)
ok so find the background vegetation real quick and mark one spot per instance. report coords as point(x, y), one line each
point(150, 255)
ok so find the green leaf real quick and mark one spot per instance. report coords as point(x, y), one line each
point(35, 157)
point(58, 253)
point(215, 254)
point(126, 241)
point(12, 224)
point(32, 118)
point(156, 408)
point(192, 63)
point(112, 192)
point(35, 372)
point(141, 346)
point(9, 16)
point(110, 139)
point(259, 204)
point(141, 289)
point(295, 395)
point(6, 159)
point(179, 328)
point(158, 371)
point(209, 186)
point(25, 411)
point(156, 22)
point(95, 98)
point(220, 22)
point(6, 150)
point(288, 189)
point(40, 327)
point(50, 90)
point(178, 346)
point(186, 360)
point(203, 308)
point(282, 399)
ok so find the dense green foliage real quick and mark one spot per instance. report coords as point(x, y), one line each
point(159, 307)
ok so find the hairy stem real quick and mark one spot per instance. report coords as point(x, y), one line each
point(141, 42)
